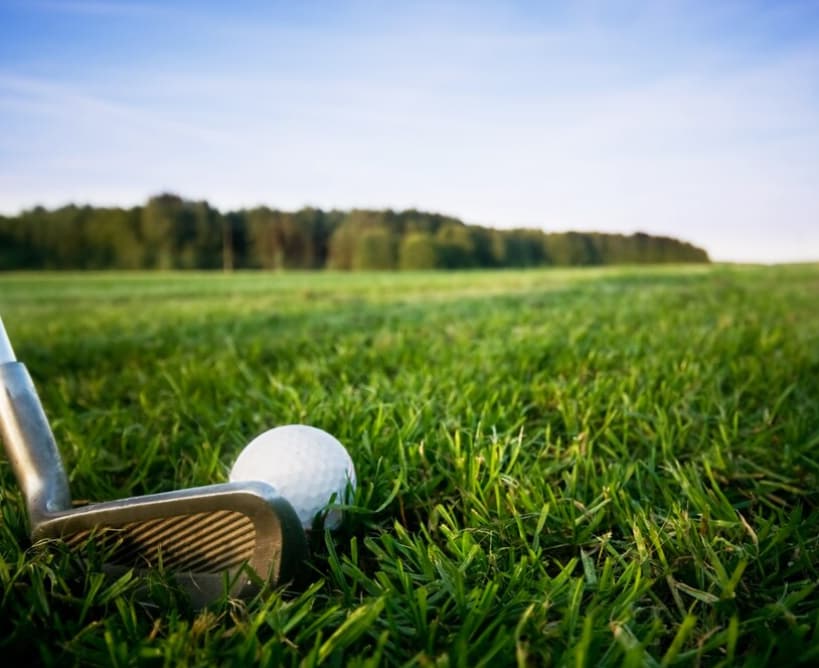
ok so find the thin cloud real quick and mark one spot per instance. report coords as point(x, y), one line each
point(60, 100)
point(101, 8)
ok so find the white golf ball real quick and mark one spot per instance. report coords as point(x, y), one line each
point(305, 465)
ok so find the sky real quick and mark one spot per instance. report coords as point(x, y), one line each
point(697, 120)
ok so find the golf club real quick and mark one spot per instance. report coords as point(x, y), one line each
point(207, 537)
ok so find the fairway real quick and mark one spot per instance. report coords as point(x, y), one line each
point(574, 467)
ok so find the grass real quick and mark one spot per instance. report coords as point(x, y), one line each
point(574, 468)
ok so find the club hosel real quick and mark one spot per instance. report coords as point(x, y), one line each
point(30, 444)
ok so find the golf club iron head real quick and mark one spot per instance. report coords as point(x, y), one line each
point(219, 538)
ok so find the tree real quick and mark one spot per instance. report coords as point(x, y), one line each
point(263, 250)
point(525, 248)
point(572, 249)
point(110, 239)
point(457, 249)
point(158, 230)
point(344, 242)
point(418, 250)
point(375, 249)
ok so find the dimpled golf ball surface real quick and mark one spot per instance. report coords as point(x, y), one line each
point(305, 465)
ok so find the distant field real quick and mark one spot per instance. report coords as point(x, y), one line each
point(556, 467)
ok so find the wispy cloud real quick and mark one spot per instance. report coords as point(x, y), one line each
point(110, 8)
point(60, 100)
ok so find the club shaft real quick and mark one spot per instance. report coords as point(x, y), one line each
point(30, 444)
point(6, 351)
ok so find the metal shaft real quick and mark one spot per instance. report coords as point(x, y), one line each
point(30, 445)
point(6, 351)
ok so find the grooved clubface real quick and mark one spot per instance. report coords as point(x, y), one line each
point(196, 543)
point(206, 537)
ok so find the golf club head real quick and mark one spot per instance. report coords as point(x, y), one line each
point(235, 534)
point(230, 538)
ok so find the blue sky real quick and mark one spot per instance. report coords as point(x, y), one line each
point(698, 120)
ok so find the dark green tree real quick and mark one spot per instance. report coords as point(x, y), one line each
point(375, 249)
point(418, 250)
point(456, 246)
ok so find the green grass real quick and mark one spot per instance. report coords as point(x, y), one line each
point(575, 468)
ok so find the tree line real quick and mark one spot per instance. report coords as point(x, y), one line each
point(170, 232)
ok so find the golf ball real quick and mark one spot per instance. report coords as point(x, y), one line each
point(305, 465)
